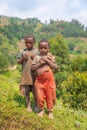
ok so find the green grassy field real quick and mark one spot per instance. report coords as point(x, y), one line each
point(13, 114)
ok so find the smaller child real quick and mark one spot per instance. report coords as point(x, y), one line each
point(45, 84)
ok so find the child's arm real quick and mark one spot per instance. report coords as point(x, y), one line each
point(52, 58)
point(20, 61)
point(35, 65)
point(22, 58)
point(19, 58)
point(52, 63)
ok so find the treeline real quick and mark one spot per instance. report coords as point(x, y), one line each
point(18, 28)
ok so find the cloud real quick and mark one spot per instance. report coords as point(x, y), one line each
point(44, 10)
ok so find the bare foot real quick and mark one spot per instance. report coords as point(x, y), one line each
point(50, 115)
point(29, 109)
point(41, 113)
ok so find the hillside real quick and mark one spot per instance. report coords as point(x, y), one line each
point(84, 39)
point(68, 41)
point(21, 44)
point(22, 27)
point(13, 114)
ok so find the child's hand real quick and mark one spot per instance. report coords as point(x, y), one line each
point(41, 61)
point(25, 56)
point(32, 56)
point(51, 57)
point(44, 58)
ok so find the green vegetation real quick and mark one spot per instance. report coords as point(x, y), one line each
point(68, 42)
point(76, 88)
point(13, 29)
point(13, 114)
point(77, 46)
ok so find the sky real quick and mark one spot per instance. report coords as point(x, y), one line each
point(45, 10)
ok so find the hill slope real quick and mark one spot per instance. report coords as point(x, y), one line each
point(13, 114)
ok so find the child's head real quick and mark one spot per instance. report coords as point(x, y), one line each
point(29, 41)
point(43, 47)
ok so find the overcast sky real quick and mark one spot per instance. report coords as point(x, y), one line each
point(46, 9)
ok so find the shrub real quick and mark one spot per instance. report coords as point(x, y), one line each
point(74, 90)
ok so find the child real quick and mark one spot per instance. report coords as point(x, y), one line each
point(44, 84)
point(27, 77)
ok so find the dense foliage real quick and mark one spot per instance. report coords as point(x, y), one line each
point(74, 90)
point(59, 48)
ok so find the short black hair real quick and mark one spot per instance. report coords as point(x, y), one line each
point(43, 40)
point(30, 36)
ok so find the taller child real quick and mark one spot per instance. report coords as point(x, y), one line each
point(27, 76)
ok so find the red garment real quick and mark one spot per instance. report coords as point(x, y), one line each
point(45, 90)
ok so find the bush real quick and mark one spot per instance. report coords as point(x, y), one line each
point(74, 90)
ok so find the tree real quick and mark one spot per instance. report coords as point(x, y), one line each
point(58, 47)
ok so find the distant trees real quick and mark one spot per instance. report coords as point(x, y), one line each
point(18, 28)
point(73, 29)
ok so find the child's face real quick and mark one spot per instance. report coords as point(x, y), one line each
point(29, 42)
point(43, 48)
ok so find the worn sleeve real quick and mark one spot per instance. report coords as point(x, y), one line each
point(20, 54)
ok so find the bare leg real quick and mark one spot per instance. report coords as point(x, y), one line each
point(50, 115)
point(36, 109)
point(28, 99)
point(28, 103)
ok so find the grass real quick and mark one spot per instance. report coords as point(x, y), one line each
point(13, 114)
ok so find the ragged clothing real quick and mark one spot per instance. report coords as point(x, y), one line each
point(27, 76)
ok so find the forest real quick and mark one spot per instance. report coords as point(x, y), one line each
point(68, 42)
